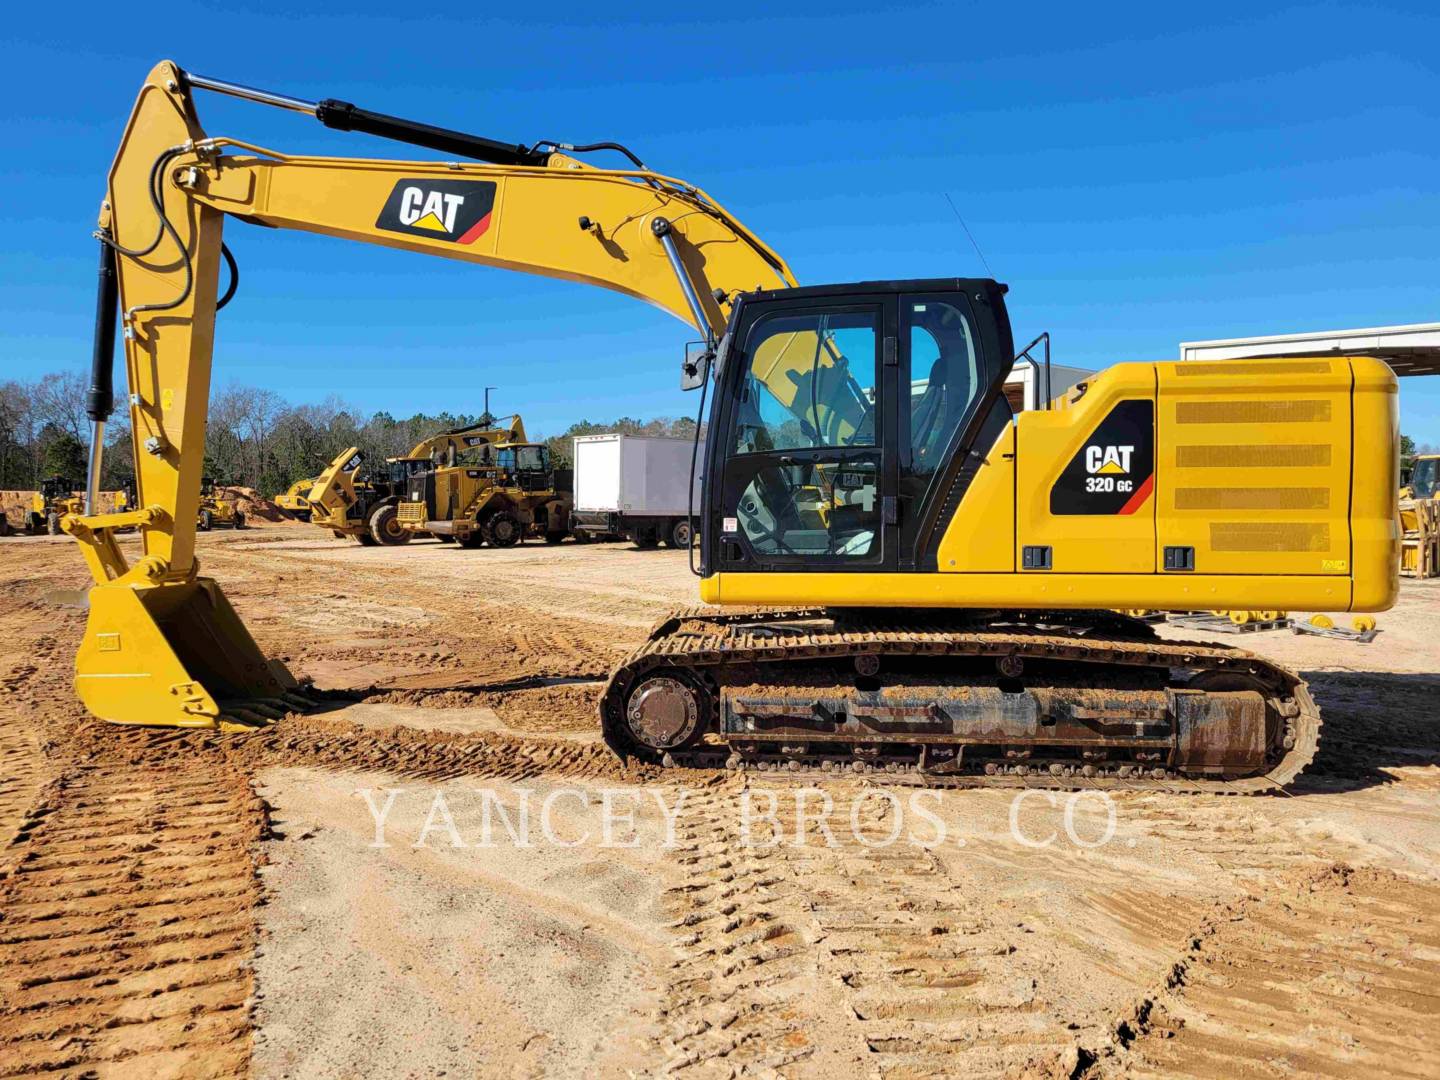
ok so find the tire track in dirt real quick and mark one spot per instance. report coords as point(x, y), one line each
point(339, 744)
point(1328, 973)
point(404, 630)
point(837, 955)
point(128, 925)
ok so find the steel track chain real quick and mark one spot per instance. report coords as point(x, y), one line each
point(701, 638)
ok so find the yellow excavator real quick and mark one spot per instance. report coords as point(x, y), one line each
point(948, 617)
point(365, 507)
point(292, 502)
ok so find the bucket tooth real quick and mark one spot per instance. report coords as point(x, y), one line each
point(281, 703)
point(242, 717)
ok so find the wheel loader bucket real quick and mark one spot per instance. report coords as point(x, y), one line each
point(176, 655)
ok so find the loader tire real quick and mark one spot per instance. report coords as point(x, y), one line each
point(364, 539)
point(239, 520)
point(554, 538)
point(207, 521)
point(385, 526)
point(503, 529)
point(472, 540)
point(34, 523)
point(52, 524)
point(679, 535)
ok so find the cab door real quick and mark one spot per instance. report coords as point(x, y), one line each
point(803, 451)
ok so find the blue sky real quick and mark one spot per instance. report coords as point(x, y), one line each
point(1138, 176)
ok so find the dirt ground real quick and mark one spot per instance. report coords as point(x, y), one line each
point(418, 881)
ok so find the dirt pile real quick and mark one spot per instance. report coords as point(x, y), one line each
point(251, 503)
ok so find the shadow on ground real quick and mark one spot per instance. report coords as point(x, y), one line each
point(1373, 721)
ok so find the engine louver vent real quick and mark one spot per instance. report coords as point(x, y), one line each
point(1276, 456)
point(1255, 367)
point(1269, 536)
point(1252, 412)
point(1265, 498)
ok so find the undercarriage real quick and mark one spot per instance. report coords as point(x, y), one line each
point(1057, 699)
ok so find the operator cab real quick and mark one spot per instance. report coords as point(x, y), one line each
point(54, 488)
point(847, 419)
point(1425, 478)
point(529, 464)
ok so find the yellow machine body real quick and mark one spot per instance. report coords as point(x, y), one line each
point(1257, 471)
point(292, 500)
point(217, 509)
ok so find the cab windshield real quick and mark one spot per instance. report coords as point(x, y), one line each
point(1423, 479)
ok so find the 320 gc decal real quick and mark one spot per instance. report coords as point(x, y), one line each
point(1114, 472)
point(455, 210)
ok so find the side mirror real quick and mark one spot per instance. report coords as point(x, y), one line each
point(696, 368)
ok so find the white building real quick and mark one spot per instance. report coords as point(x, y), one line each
point(1409, 350)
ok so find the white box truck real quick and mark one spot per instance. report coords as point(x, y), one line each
point(635, 487)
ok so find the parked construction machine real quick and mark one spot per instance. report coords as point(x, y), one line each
point(496, 492)
point(946, 617)
point(364, 506)
point(217, 508)
point(50, 504)
point(1423, 481)
point(292, 502)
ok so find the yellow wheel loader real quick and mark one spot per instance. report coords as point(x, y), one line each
point(948, 616)
point(292, 501)
point(365, 507)
point(217, 508)
point(50, 504)
point(494, 492)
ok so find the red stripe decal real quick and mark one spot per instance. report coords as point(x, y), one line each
point(1141, 494)
point(476, 231)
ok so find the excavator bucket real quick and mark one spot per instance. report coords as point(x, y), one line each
point(177, 655)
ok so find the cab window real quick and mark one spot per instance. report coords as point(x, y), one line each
point(1423, 480)
point(810, 382)
point(944, 378)
point(808, 399)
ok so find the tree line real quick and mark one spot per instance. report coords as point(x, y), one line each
point(254, 437)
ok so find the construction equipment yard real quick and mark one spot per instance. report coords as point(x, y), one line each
point(189, 902)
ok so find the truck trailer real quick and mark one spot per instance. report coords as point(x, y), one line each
point(635, 487)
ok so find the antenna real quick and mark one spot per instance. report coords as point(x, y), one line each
point(967, 233)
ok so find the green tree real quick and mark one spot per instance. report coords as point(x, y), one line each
point(62, 454)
